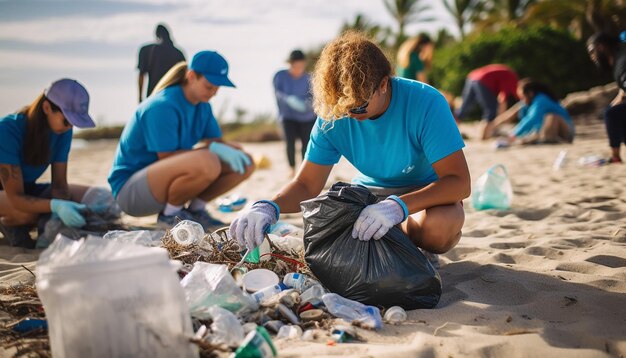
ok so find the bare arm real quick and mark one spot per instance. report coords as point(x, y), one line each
point(140, 84)
point(621, 97)
point(60, 189)
point(453, 185)
point(13, 184)
point(307, 184)
point(508, 115)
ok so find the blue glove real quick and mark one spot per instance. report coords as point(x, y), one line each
point(376, 219)
point(68, 212)
point(250, 226)
point(237, 159)
point(295, 103)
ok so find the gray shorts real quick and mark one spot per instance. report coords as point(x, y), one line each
point(135, 197)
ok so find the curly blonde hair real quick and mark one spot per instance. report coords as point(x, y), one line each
point(349, 70)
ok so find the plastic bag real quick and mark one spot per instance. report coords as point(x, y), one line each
point(493, 190)
point(109, 299)
point(386, 272)
point(226, 327)
point(210, 285)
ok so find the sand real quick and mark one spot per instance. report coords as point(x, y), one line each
point(546, 278)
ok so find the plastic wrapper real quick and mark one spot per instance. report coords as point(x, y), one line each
point(210, 285)
point(388, 272)
point(226, 327)
point(101, 296)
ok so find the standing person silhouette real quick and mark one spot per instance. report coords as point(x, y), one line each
point(414, 58)
point(156, 59)
point(292, 87)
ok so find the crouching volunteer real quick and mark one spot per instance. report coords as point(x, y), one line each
point(400, 135)
point(171, 152)
point(38, 136)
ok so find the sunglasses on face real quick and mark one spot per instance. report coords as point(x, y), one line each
point(361, 109)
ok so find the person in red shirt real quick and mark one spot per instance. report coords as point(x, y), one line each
point(492, 87)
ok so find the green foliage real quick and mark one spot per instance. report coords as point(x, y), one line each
point(552, 56)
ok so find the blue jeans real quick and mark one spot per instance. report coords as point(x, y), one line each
point(475, 92)
point(615, 122)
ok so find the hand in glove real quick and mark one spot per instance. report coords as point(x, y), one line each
point(376, 219)
point(237, 159)
point(250, 226)
point(296, 103)
point(68, 212)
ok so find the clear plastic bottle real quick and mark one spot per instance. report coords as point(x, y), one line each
point(352, 310)
point(560, 161)
point(268, 292)
point(299, 281)
point(313, 295)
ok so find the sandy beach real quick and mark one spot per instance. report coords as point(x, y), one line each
point(546, 278)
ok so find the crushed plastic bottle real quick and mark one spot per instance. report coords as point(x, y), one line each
point(299, 281)
point(187, 232)
point(313, 295)
point(351, 310)
point(268, 292)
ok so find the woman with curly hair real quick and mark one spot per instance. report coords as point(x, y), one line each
point(400, 135)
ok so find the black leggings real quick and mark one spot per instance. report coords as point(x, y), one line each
point(296, 129)
point(615, 121)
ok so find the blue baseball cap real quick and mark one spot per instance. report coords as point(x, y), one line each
point(213, 66)
point(73, 99)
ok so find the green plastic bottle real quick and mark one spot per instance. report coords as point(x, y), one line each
point(257, 344)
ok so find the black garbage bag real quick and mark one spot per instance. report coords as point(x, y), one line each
point(386, 272)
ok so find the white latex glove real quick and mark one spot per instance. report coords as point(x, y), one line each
point(376, 219)
point(296, 103)
point(250, 226)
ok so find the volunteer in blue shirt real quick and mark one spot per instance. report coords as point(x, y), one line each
point(401, 136)
point(541, 118)
point(36, 137)
point(295, 113)
point(171, 152)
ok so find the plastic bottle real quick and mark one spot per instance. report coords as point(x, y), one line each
point(299, 281)
point(257, 344)
point(560, 160)
point(187, 232)
point(313, 295)
point(268, 292)
point(353, 311)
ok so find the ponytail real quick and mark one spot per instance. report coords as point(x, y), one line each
point(175, 76)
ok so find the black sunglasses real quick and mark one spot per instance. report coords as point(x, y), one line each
point(361, 109)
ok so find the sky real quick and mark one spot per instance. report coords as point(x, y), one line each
point(96, 43)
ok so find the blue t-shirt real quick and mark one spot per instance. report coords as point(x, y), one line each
point(531, 116)
point(12, 133)
point(398, 148)
point(285, 85)
point(165, 122)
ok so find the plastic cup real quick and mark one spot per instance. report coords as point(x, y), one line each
point(258, 279)
point(395, 314)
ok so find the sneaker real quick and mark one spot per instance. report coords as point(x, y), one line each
point(169, 221)
point(18, 236)
point(614, 160)
point(205, 219)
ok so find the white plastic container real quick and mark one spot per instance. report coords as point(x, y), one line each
point(108, 299)
point(395, 315)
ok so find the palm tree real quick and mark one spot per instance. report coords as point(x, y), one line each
point(581, 17)
point(374, 31)
point(503, 12)
point(464, 12)
point(406, 12)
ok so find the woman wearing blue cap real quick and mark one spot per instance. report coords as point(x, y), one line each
point(36, 137)
point(156, 167)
